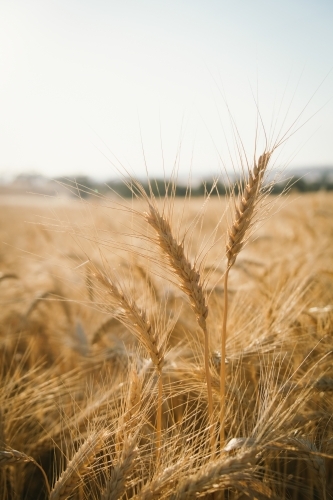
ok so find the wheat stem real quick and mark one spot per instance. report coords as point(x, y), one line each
point(159, 418)
point(223, 355)
point(131, 417)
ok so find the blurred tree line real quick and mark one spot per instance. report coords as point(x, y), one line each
point(86, 186)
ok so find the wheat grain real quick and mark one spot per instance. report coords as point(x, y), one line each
point(13, 457)
point(188, 274)
point(153, 489)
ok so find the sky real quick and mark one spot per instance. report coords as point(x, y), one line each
point(94, 87)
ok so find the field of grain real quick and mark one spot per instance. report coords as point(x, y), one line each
point(103, 338)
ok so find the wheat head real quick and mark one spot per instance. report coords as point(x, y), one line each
point(116, 485)
point(190, 283)
point(189, 276)
point(78, 466)
point(10, 457)
point(133, 317)
point(245, 209)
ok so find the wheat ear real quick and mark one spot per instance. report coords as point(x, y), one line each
point(116, 485)
point(190, 283)
point(10, 457)
point(244, 210)
point(216, 476)
point(78, 466)
point(153, 490)
point(136, 320)
point(13, 457)
point(244, 213)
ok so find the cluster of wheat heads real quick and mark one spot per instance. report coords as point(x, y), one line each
point(111, 349)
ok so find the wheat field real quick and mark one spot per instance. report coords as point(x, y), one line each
point(110, 350)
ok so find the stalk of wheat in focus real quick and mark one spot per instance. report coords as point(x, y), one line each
point(242, 222)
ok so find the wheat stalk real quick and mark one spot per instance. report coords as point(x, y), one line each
point(10, 457)
point(78, 466)
point(153, 489)
point(216, 475)
point(133, 318)
point(190, 283)
point(13, 457)
point(136, 320)
point(243, 220)
point(116, 485)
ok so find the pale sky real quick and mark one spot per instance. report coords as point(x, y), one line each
point(81, 82)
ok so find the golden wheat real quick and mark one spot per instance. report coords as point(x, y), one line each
point(78, 466)
point(58, 387)
point(243, 219)
point(190, 283)
point(116, 485)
